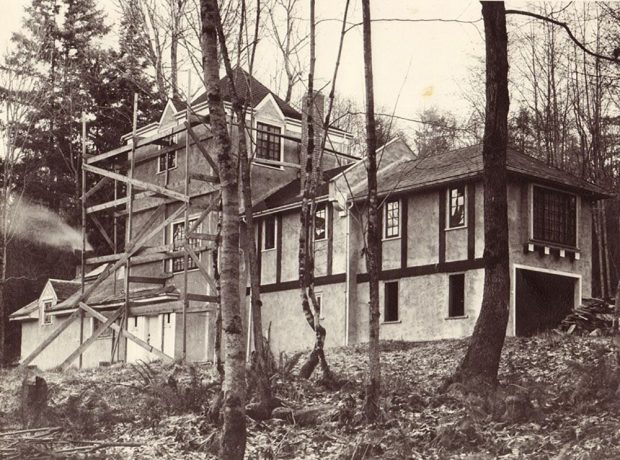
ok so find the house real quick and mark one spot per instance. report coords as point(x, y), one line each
point(169, 316)
point(432, 247)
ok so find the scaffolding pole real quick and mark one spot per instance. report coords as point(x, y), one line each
point(186, 223)
point(83, 253)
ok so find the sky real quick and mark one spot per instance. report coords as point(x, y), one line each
point(417, 65)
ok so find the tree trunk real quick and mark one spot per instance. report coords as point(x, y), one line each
point(373, 386)
point(233, 436)
point(481, 361)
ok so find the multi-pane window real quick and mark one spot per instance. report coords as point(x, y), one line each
point(456, 207)
point(47, 318)
point(456, 294)
point(555, 217)
point(392, 219)
point(390, 307)
point(268, 141)
point(320, 223)
point(269, 233)
point(168, 160)
point(178, 238)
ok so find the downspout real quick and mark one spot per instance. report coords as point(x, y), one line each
point(347, 302)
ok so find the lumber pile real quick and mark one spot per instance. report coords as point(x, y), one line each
point(593, 317)
point(47, 442)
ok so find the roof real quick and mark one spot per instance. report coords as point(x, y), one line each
point(247, 86)
point(64, 288)
point(466, 163)
point(290, 192)
point(25, 311)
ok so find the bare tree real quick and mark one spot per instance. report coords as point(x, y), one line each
point(233, 435)
point(373, 255)
point(481, 361)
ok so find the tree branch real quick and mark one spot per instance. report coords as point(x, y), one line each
point(568, 31)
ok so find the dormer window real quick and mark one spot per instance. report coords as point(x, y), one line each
point(47, 317)
point(554, 217)
point(268, 142)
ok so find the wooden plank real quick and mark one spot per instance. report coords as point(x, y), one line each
point(201, 267)
point(202, 298)
point(209, 209)
point(149, 279)
point(128, 335)
point(203, 236)
point(264, 161)
point(169, 307)
point(103, 231)
point(150, 222)
point(102, 277)
point(138, 183)
point(106, 205)
point(204, 177)
point(205, 154)
point(67, 362)
point(95, 188)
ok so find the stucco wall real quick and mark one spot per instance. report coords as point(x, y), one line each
point(289, 329)
point(422, 240)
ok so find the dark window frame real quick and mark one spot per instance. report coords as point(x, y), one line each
point(47, 318)
point(554, 216)
point(456, 295)
point(167, 161)
point(268, 142)
point(391, 312)
point(453, 219)
point(271, 219)
point(391, 223)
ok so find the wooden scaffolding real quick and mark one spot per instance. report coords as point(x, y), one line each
point(135, 251)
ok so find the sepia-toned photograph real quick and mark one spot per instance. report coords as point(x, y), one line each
point(309, 229)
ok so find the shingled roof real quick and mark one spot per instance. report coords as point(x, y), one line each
point(466, 163)
point(64, 288)
point(247, 86)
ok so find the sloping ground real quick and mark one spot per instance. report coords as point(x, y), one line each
point(557, 400)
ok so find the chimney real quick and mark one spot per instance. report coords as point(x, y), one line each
point(314, 107)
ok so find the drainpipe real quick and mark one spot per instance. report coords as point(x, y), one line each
point(347, 302)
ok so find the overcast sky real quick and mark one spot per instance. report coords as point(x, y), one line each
point(416, 64)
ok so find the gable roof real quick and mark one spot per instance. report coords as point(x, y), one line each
point(466, 163)
point(64, 288)
point(26, 312)
point(247, 86)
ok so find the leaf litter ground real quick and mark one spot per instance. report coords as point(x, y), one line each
point(557, 399)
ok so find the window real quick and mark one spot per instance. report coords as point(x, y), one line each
point(47, 318)
point(390, 313)
point(392, 219)
point(555, 216)
point(268, 141)
point(320, 223)
point(95, 325)
point(178, 238)
point(456, 294)
point(456, 207)
point(168, 160)
point(269, 232)
point(135, 321)
point(167, 319)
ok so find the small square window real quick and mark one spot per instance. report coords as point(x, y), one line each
point(320, 223)
point(456, 207)
point(167, 161)
point(456, 295)
point(269, 232)
point(391, 227)
point(390, 309)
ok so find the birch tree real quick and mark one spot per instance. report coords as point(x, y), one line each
point(233, 434)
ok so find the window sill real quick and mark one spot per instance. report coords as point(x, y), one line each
point(554, 245)
point(390, 238)
point(321, 240)
point(447, 318)
point(449, 229)
point(268, 249)
point(167, 170)
point(258, 163)
point(398, 321)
